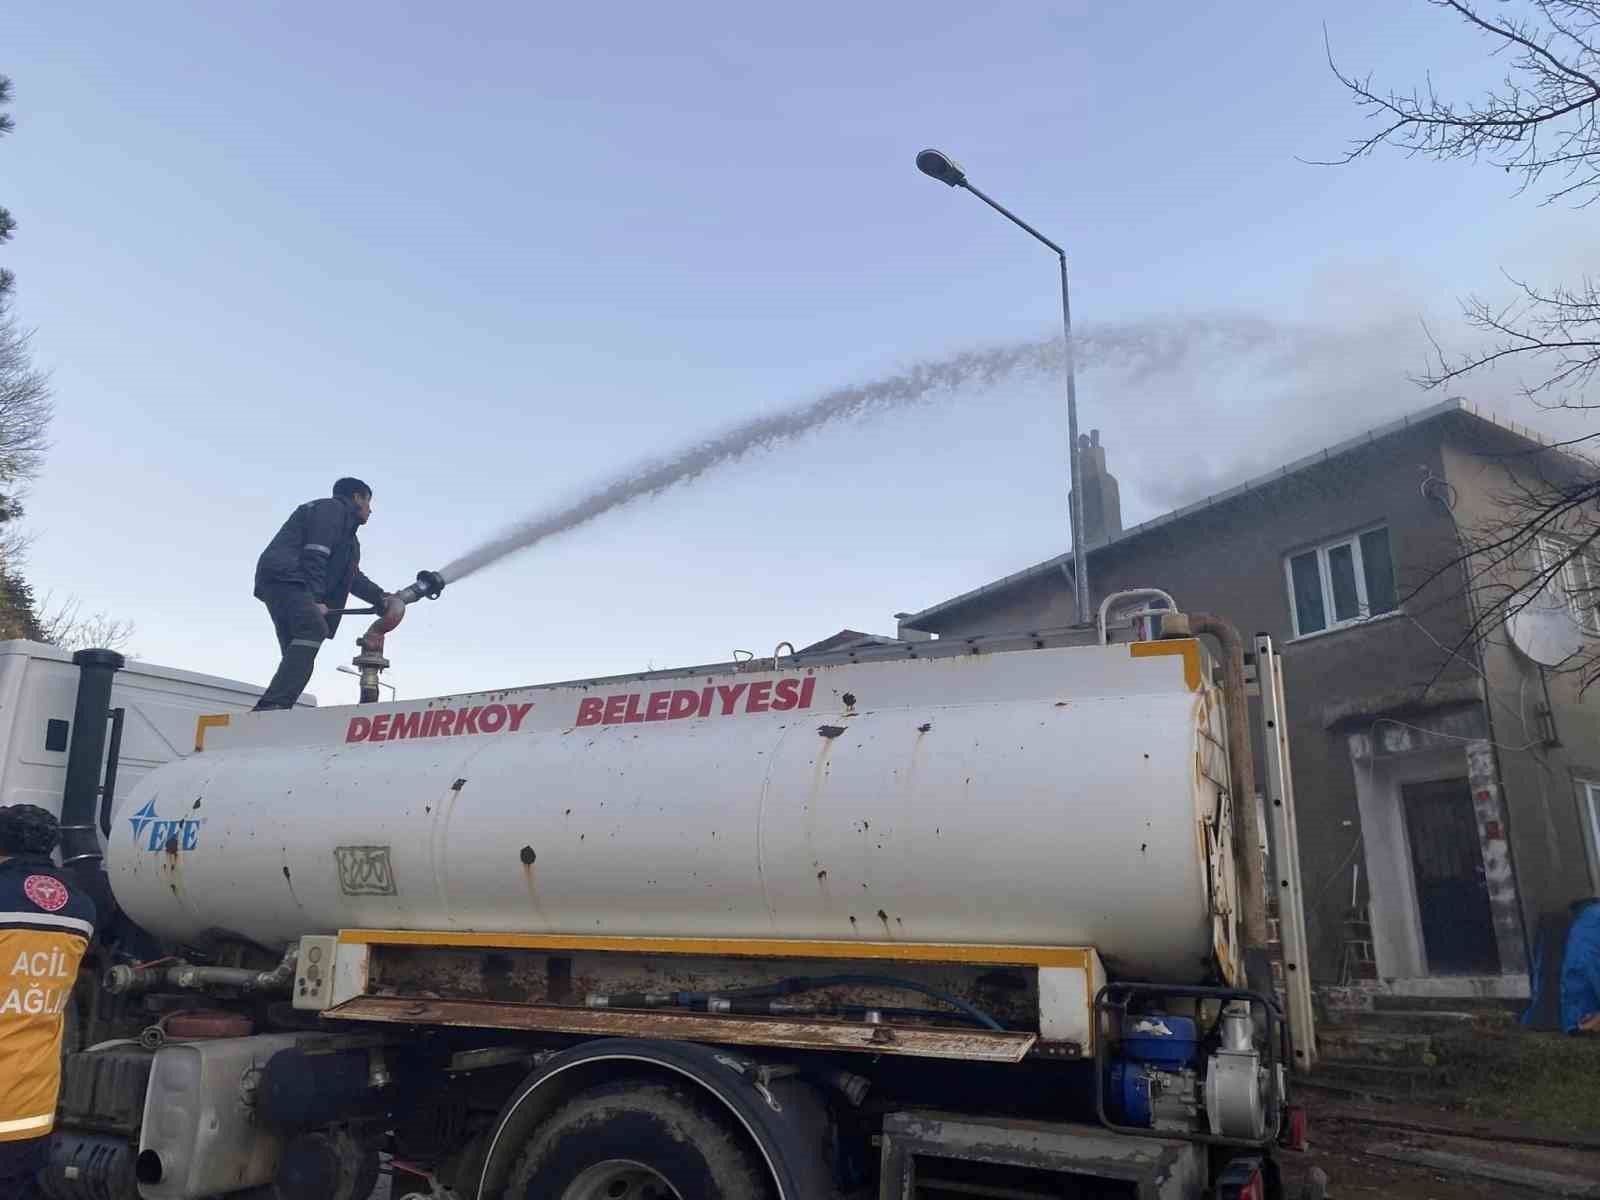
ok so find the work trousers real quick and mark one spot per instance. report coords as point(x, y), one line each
point(301, 632)
point(20, 1164)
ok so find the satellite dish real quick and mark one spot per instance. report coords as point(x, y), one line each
point(1545, 630)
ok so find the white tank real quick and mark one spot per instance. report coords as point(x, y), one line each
point(1068, 797)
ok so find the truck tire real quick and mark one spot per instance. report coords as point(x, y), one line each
point(638, 1140)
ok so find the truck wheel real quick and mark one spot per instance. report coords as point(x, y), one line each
point(637, 1141)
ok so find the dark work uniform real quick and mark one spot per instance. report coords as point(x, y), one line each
point(315, 558)
point(45, 926)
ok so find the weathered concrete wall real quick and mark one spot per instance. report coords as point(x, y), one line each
point(1230, 561)
point(1550, 845)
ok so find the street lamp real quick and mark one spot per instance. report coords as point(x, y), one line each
point(393, 695)
point(938, 165)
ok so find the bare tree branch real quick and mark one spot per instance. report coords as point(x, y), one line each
point(1539, 124)
point(1541, 117)
point(65, 624)
point(1555, 330)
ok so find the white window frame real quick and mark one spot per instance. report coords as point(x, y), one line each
point(1589, 797)
point(1364, 611)
point(1579, 577)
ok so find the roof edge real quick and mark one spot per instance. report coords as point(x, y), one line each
point(1063, 562)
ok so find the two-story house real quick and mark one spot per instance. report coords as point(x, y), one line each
point(1447, 793)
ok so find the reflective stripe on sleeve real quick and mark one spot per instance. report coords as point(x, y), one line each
point(22, 1124)
point(47, 921)
point(304, 642)
point(317, 548)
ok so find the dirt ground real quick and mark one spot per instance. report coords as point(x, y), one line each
point(1340, 1146)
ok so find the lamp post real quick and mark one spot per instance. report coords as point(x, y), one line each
point(938, 165)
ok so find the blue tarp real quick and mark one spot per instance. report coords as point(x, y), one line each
point(1543, 1014)
point(1580, 970)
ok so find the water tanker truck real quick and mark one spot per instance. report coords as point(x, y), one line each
point(901, 919)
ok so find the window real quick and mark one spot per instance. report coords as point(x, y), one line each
point(1576, 580)
point(1342, 582)
point(1589, 800)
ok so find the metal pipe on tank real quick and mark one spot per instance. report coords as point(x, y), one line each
point(121, 979)
point(1247, 831)
point(370, 662)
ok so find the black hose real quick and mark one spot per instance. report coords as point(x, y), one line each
point(747, 1007)
point(789, 987)
point(856, 1010)
point(796, 984)
point(976, 1014)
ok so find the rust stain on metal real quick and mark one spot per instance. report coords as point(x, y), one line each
point(967, 1044)
point(170, 865)
point(533, 892)
point(183, 1026)
point(289, 879)
point(558, 979)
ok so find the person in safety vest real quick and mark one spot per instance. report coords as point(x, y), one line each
point(305, 575)
point(45, 926)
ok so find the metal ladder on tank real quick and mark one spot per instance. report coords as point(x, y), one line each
point(1277, 798)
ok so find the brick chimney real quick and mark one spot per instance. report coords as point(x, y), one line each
point(1102, 501)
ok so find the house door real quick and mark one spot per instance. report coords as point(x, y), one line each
point(1452, 892)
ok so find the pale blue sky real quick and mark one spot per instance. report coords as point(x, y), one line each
point(483, 254)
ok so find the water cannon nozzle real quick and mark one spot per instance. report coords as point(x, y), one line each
point(428, 586)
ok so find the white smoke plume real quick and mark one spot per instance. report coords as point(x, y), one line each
point(1140, 349)
point(1235, 395)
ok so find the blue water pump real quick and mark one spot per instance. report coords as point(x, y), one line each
point(1155, 1073)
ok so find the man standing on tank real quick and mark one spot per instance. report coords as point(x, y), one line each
point(45, 927)
point(304, 577)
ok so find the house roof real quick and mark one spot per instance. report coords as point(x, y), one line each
point(845, 639)
point(1063, 562)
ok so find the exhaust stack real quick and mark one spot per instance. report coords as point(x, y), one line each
point(86, 753)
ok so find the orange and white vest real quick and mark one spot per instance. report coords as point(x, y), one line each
point(45, 926)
